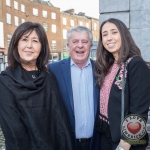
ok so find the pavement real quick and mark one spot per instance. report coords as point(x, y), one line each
point(2, 141)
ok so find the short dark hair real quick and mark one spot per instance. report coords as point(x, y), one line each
point(105, 59)
point(24, 28)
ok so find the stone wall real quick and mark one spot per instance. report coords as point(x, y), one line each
point(135, 14)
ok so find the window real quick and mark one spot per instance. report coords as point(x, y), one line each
point(44, 14)
point(81, 23)
point(53, 15)
point(64, 47)
point(53, 28)
point(93, 54)
point(95, 26)
point(16, 21)
point(23, 20)
point(72, 23)
point(54, 57)
point(53, 45)
point(8, 3)
point(95, 38)
point(45, 26)
point(35, 12)
point(87, 25)
point(22, 8)
point(64, 34)
point(16, 5)
point(8, 18)
point(64, 21)
point(8, 39)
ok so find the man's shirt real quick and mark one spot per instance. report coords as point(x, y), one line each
point(82, 86)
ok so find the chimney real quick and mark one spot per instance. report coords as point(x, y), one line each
point(81, 14)
point(69, 11)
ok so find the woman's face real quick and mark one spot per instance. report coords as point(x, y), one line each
point(29, 48)
point(111, 38)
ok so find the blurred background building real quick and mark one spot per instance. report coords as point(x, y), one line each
point(55, 22)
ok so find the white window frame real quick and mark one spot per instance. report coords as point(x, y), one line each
point(35, 11)
point(95, 38)
point(71, 23)
point(64, 21)
point(87, 24)
point(8, 18)
point(45, 26)
point(23, 20)
point(64, 47)
point(54, 45)
point(95, 26)
point(81, 23)
point(16, 5)
point(64, 34)
point(53, 15)
point(22, 8)
point(16, 21)
point(53, 28)
point(45, 14)
point(8, 39)
point(8, 2)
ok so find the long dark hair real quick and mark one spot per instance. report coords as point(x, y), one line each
point(105, 59)
point(24, 28)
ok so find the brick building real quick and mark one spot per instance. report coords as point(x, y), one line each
point(55, 23)
point(70, 19)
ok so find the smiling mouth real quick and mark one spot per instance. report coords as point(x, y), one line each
point(28, 52)
point(110, 45)
point(80, 52)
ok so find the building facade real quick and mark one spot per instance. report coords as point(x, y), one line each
point(55, 23)
point(70, 19)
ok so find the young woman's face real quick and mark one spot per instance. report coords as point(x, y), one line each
point(111, 38)
point(29, 48)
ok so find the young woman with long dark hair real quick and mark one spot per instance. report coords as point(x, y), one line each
point(119, 64)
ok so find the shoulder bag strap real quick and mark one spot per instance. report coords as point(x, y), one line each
point(122, 93)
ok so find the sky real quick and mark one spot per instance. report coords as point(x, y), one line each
point(89, 7)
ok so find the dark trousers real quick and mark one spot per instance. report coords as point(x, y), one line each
point(83, 145)
point(106, 143)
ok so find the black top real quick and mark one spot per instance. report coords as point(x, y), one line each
point(32, 115)
point(32, 75)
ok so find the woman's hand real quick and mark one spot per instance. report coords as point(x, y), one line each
point(124, 145)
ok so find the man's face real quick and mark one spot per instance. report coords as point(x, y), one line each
point(79, 47)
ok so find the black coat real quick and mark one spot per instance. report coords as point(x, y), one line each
point(137, 96)
point(32, 115)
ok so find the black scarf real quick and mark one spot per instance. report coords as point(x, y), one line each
point(40, 120)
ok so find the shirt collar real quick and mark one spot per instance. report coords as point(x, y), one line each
point(87, 64)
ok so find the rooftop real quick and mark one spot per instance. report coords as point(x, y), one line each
point(43, 2)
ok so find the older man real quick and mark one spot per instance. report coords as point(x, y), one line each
point(79, 92)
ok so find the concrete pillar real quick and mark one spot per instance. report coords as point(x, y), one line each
point(135, 14)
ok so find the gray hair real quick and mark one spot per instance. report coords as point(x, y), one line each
point(80, 29)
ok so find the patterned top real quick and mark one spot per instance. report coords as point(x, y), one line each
point(106, 87)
